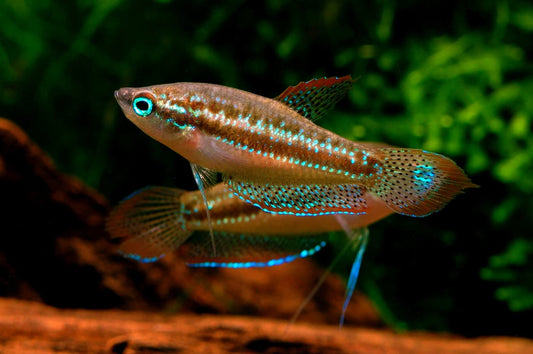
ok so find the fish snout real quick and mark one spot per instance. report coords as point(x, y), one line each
point(124, 95)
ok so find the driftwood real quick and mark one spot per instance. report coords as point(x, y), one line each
point(27, 327)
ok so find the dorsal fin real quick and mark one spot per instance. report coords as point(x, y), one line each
point(312, 99)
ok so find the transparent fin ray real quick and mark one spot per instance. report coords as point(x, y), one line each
point(302, 200)
point(314, 98)
point(202, 175)
point(150, 222)
point(359, 241)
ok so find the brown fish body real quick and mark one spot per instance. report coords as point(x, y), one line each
point(247, 136)
point(272, 156)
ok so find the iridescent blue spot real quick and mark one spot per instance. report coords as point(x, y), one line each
point(176, 124)
point(425, 175)
point(179, 109)
point(138, 258)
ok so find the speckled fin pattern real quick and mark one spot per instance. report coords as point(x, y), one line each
point(149, 222)
point(301, 200)
point(314, 98)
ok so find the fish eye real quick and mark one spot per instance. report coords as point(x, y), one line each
point(143, 106)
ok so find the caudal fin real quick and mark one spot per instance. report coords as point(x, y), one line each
point(416, 182)
point(150, 222)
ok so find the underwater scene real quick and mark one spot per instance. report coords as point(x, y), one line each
point(259, 176)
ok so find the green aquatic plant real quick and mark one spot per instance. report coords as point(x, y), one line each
point(511, 270)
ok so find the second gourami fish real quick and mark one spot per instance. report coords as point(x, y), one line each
point(272, 155)
point(158, 220)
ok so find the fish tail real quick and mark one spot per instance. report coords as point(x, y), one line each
point(150, 222)
point(416, 182)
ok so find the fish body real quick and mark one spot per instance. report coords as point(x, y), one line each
point(273, 156)
point(243, 135)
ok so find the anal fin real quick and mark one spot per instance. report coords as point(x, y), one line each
point(303, 200)
point(248, 250)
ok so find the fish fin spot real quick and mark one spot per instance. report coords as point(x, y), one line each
point(416, 182)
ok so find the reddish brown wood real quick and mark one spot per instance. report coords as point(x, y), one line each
point(28, 327)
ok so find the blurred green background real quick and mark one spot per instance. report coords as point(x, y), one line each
point(452, 77)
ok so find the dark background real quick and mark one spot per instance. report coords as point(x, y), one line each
point(444, 76)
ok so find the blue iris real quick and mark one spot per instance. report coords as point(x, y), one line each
point(143, 106)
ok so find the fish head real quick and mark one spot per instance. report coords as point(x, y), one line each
point(155, 112)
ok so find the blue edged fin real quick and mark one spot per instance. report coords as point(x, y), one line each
point(304, 200)
point(359, 241)
point(416, 182)
point(150, 222)
point(250, 250)
point(314, 98)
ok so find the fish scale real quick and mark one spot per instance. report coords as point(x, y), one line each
point(254, 135)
